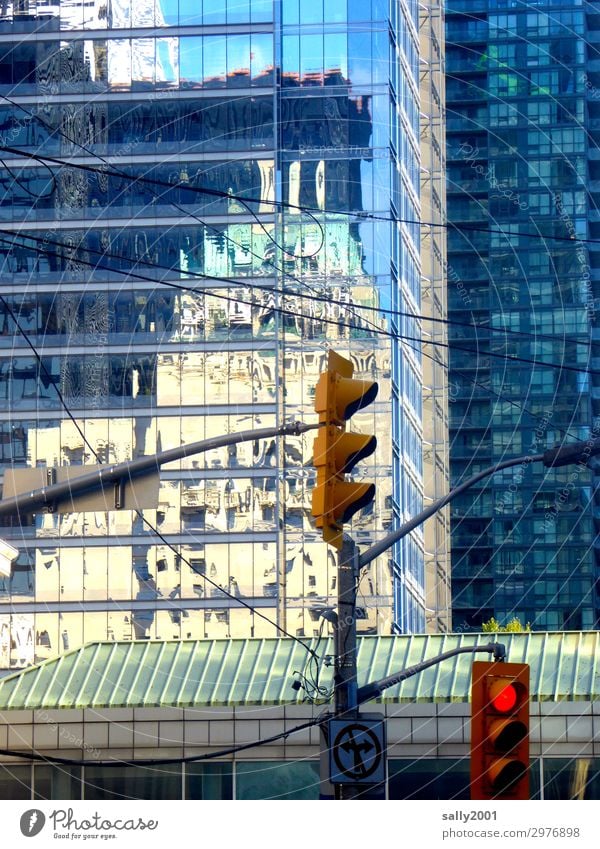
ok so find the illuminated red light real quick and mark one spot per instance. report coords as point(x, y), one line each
point(504, 699)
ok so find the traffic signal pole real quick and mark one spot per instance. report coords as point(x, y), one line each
point(561, 455)
point(346, 687)
point(107, 477)
point(345, 670)
point(338, 395)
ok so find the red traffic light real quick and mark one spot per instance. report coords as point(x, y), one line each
point(500, 731)
point(504, 696)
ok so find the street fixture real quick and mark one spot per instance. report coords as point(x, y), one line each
point(335, 500)
point(331, 466)
point(500, 731)
point(114, 486)
point(337, 397)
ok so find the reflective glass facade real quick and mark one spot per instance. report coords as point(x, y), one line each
point(520, 158)
point(164, 313)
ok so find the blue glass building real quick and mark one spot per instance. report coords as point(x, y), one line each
point(520, 161)
point(164, 313)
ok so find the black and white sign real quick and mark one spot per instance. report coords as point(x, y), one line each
point(356, 751)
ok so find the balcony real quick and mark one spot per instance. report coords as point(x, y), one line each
point(473, 89)
point(459, 32)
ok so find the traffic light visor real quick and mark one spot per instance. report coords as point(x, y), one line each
point(349, 498)
point(338, 398)
point(505, 773)
point(352, 395)
point(505, 734)
point(345, 450)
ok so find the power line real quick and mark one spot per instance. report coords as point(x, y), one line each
point(293, 313)
point(328, 321)
point(316, 297)
point(283, 205)
point(139, 513)
point(241, 284)
point(149, 524)
point(171, 547)
point(37, 756)
point(245, 200)
point(206, 190)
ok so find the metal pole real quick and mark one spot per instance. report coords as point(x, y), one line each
point(346, 673)
point(560, 455)
point(345, 631)
point(375, 688)
point(27, 502)
point(377, 549)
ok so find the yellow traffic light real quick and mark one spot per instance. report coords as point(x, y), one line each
point(338, 396)
point(500, 731)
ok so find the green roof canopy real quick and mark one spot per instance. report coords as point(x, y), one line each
point(194, 673)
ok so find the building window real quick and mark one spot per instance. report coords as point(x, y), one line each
point(132, 782)
point(277, 780)
point(566, 778)
point(57, 782)
point(209, 781)
point(444, 778)
point(15, 782)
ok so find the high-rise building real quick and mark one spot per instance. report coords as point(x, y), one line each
point(436, 531)
point(201, 198)
point(522, 296)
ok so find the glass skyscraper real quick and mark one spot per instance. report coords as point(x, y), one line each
point(521, 156)
point(224, 205)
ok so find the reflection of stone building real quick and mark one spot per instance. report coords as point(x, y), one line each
point(171, 302)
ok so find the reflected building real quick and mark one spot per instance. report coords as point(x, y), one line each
point(170, 299)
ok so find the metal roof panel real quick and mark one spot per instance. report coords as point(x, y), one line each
point(195, 673)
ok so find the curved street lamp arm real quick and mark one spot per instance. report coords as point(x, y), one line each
point(97, 479)
point(377, 549)
point(375, 688)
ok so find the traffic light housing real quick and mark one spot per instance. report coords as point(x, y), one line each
point(500, 731)
point(338, 396)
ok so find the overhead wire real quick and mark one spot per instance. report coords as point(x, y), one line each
point(178, 286)
point(108, 170)
point(313, 655)
point(315, 692)
point(293, 313)
point(245, 201)
point(139, 513)
point(311, 211)
point(243, 283)
point(486, 388)
point(26, 189)
point(239, 283)
point(206, 190)
point(474, 382)
point(207, 756)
